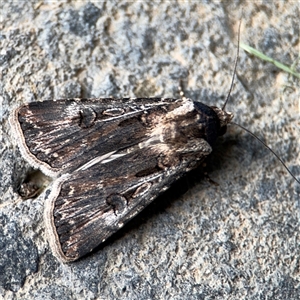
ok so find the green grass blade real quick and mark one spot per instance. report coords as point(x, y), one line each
point(269, 59)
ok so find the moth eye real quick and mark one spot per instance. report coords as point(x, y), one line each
point(144, 188)
point(222, 130)
point(118, 203)
point(113, 112)
point(87, 117)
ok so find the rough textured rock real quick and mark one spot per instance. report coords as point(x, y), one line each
point(235, 240)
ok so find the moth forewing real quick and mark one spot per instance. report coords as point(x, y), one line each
point(114, 156)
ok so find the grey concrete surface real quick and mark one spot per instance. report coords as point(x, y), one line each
point(236, 239)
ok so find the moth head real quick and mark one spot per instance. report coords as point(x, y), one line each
point(224, 118)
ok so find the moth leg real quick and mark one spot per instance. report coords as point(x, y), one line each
point(211, 181)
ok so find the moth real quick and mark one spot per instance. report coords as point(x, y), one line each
point(110, 158)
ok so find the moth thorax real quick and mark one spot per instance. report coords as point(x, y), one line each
point(224, 116)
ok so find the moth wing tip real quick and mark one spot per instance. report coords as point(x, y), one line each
point(51, 232)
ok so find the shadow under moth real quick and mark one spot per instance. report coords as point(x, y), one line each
point(110, 158)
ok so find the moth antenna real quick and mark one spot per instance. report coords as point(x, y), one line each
point(235, 65)
point(247, 130)
point(275, 154)
point(181, 90)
